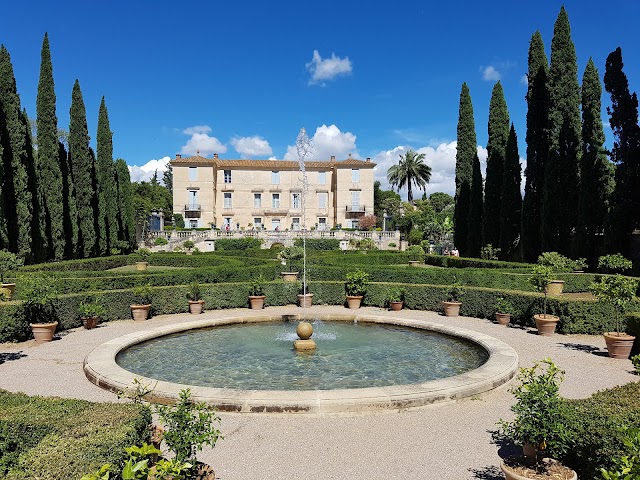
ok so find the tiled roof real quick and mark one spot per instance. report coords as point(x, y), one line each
point(270, 164)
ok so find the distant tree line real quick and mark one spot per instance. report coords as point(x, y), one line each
point(575, 191)
point(59, 198)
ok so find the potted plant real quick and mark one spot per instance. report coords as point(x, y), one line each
point(503, 309)
point(188, 245)
point(142, 295)
point(355, 286)
point(38, 294)
point(305, 299)
point(451, 306)
point(538, 426)
point(196, 304)
point(256, 293)
point(415, 254)
point(540, 278)
point(161, 242)
point(557, 263)
point(395, 298)
point(579, 265)
point(90, 313)
point(8, 262)
point(289, 255)
point(617, 291)
point(143, 255)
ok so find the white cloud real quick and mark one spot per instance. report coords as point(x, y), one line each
point(251, 146)
point(327, 142)
point(146, 171)
point(524, 80)
point(322, 69)
point(490, 74)
point(272, 157)
point(441, 159)
point(201, 143)
point(197, 129)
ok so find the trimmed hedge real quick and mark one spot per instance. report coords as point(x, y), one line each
point(595, 423)
point(319, 244)
point(61, 439)
point(100, 263)
point(237, 243)
point(461, 262)
point(632, 321)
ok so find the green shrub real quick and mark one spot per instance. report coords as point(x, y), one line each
point(415, 253)
point(92, 264)
point(8, 262)
point(489, 252)
point(461, 262)
point(356, 283)
point(319, 243)
point(160, 241)
point(615, 263)
point(555, 261)
point(61, 439)
point(238, 243)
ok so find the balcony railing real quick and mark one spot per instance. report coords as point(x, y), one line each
point(192, 207)
point(355, 208)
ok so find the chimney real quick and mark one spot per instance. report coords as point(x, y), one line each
point(368, 159)
point(178, 156)
point(215, 156)
point(333, 158)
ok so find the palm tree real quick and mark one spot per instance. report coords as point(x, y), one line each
point(410, 170)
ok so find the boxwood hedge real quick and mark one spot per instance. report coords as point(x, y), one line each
point(61, 439)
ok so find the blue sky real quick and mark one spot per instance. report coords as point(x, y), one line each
point(241, 78)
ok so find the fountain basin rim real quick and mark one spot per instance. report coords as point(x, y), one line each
point(100, 368)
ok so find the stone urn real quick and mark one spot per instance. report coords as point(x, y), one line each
point(396, 306)
point(546, 324)
point(619, 345)
point(414, 263)
point(289, 276)
point(559, 471)
point(7, 290)
point(196, 307)
point(256, 302)
point(140, 312)
point(43, 332)
point(555, 287)
point(451, 309)
point(503, 318)
point(142, 266)
point(354, 301)
point(305, 301)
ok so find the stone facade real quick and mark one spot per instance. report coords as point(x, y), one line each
point(267, 194)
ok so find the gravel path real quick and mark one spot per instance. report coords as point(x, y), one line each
point(443, 441)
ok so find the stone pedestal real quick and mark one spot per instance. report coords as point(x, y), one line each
point(304, 345)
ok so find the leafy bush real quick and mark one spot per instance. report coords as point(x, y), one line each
point(8, 262)
point(194, 292)
point(615, 290)
point(541, 277)
point(256, 286)
point(356, 283)
point(455, 292)
point(238, 243)
point(461, 262)
point(415, 253)
point(160, 241)
point(188, 244)
point(143, 294)
point(91, 309)
point(395, 294)
point(627, 466)
point(615, 263)
point(61, 439)
point(489, 252)
point(503, 305)
point(38, 293)
point(319, 243)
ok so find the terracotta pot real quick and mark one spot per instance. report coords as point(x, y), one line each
point(140, 312)
point(89, 322)
point(204, 472)
point(43, 332)
point(451, 309)
point(555, 287)
point(503, 318)
point(157, 434)
point(546, 324)
point(289, 276)
point(196, 307)
point(414, 263)
point(141, 266)
point(257, 301)
point(396, 306)
point(305, 301)
point(7, 290)
point(511, 475)
point(354, 301)
point(619, 346)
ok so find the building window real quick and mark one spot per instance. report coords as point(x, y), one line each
point(275, 200)
point(322, 201)
point(226, 223)
point(322, 223)
point(275, 178)
point(322, 178)
point(257, 223)
point(355, 199)
point(193, 174)
point(193, 223)
point(257, 200)
point(227, 199)
point(193, 199)
point(227, 176)
point(275, 224)
point(295, 201)
point(295, 224)
point(355, 175)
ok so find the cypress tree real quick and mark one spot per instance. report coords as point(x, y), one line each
point(69, 207)
point(562, 172)
point(38, 219)
point(167, 178)
point(496, 151)
point(475, 212)
point(106, 181)
point(511, 201)
point(48, 168)
point(81, 162)
point(465, 155)
point(98, 225)
point(126, 214)
point(18, 203)
point(537, 148)
point(624, 215)
point(4, 239)
point(596, 173)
